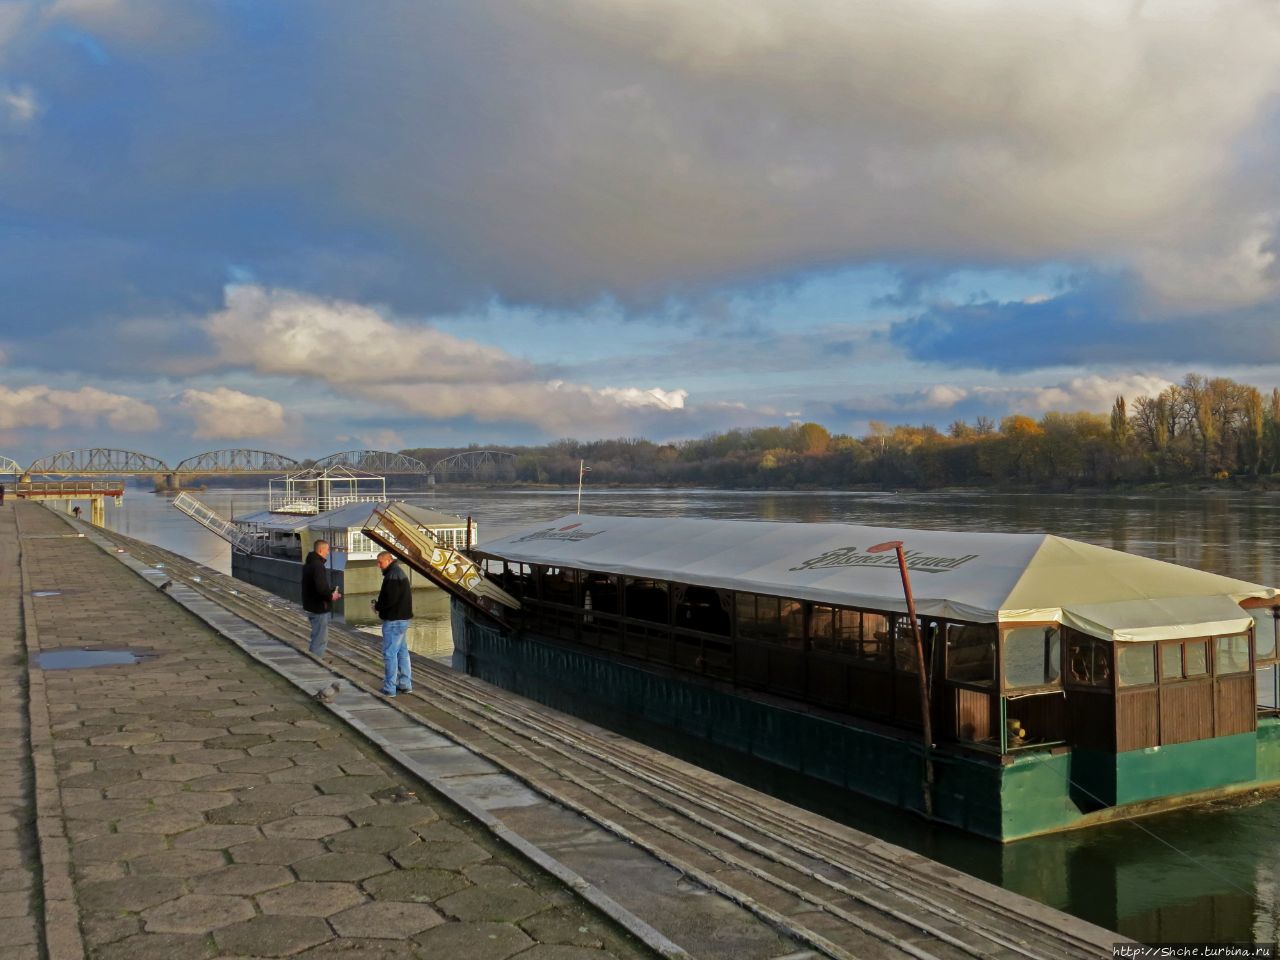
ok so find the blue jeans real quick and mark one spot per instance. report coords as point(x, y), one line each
point(319, 633)
point(397, 673)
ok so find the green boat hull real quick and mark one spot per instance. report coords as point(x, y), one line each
point(1023, 795)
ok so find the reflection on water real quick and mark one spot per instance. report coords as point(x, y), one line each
point(1208, 874)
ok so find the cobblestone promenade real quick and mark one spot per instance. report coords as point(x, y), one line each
point(211, 810)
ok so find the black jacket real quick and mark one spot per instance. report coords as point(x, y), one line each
point(395, 599)
point(317, 591)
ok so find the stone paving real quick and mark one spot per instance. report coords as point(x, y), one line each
point(214, 811)
point(19, 868)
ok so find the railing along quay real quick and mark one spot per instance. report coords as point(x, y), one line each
point(826, 886)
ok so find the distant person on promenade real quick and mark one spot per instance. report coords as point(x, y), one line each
point(318, 595)
point(1, 494)
point(75, 511)
point(394, 607)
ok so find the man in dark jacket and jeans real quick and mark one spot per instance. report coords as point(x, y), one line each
point(395, 609)
point(318, 595)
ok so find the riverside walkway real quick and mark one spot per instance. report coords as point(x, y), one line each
point(199, 803)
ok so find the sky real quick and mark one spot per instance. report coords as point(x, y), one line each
point(319, 225)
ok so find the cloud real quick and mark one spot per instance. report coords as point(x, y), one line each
point(555, 151)
point(411, 367)
point(383, 439)
point(1102, 320)
point(1090, 394)
point(942, 402)
point(20, 103)
point(286, 332)
point(40, 407)
point(1093, 394)
point(225, 414)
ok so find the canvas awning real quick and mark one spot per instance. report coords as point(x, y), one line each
point(975, 577)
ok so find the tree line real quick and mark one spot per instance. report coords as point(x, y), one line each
point(1202, 429)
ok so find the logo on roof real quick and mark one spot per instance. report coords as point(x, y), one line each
point(572, 533)
point(917, 562)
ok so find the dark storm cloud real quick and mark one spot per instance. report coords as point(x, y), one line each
point(428, 155)
point(1103, 321)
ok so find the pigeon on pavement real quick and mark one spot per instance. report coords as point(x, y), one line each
point(327, 694)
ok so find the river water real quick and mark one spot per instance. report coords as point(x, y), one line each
point(1209, 874)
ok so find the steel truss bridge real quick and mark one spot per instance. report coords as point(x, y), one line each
point(112, 462)
point(381, 462)
point(237, 461)
point(473, 465)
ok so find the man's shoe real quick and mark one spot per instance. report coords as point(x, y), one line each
point(389, 696)
point(404, 690)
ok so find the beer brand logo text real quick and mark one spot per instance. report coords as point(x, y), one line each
point(573, 535)
point(917, 562)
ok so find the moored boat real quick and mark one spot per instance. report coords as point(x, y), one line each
point(332, 504)
point(1065, 683)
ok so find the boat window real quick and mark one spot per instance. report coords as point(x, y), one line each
point(1032, 656)
point(1195, 658)
point(1265, 625)
point(771, 619)
point(1137, 663)
point(648, 600)
point(1171, 661)
point(971, 652)
point(854, 633)
point(600, 593)
point(559, 585)
point(1269, 687)
point(904, 645)
point(1088, 661)
point(873, 644)
point(704, 609)
point(1231, 654)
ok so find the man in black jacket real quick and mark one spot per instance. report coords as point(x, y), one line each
point(395, 609)
point(318, 595)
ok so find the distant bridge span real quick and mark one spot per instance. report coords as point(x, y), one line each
point(108, 461)
point(472, 465)
point(373, 461)
point(96, 461)
point(237, 461)
point(9, 467)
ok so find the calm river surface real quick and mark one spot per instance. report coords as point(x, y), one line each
point(1208, 874)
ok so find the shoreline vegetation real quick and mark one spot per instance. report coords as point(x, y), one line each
point(1203, 434)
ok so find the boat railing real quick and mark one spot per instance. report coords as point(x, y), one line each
point(296, 503)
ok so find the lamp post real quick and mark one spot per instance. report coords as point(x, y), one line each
point(926, 724)
point(582, 469)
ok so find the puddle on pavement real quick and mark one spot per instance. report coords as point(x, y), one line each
point(77, 659)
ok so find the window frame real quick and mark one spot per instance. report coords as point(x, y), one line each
point(1002, 654)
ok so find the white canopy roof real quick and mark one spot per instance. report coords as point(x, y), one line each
point(976, 577)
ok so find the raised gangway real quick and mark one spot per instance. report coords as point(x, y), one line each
point(452, 571)
point(242, 541)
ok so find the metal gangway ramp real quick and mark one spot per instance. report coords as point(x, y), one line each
point(445, 567)
point(241, 540)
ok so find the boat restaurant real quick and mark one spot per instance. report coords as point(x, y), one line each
point(1066, 683)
